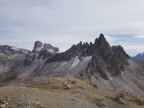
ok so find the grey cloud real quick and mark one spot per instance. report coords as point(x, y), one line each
point(63, 22)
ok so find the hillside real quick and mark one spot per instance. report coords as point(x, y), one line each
point(64, 92)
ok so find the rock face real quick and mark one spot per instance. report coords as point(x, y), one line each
point(104, 58)
point(120, 54)
point(10, 57)
point(29, 59)
point(139, 57)
point(40, 52)
point(47, 51)
point(50, 48)
point(38, 46)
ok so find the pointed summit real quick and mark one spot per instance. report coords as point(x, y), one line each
point(37, 46)
point(101, 42)
point(101, 36)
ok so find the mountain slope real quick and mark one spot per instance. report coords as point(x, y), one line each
point(98, 63)
point(65, 92)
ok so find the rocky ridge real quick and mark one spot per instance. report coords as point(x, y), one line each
point(12, 49)
point(103, 66)
point(38, 46)
point(104, 58)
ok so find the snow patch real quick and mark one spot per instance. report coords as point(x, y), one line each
point(75, 62)
point(51, 50)
point(87, 58)
point(25, 51)
point(14, 48)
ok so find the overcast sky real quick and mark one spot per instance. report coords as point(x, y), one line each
point(66, 22)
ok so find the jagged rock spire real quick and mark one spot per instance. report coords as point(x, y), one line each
point(37, 46)
point(101, 41)
point(103, 57)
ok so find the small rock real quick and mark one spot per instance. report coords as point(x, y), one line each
point(68, 86)
point(122, 101)
point(140, 101)
point(64, 84)
point(63, 76)
point(73, 82)
point(121, 98)
point(3, 103)
point(42, 106)
point(101, 103)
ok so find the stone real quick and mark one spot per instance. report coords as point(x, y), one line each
point(121, 98)
point(140, 101)
point(3, 103)
point(121, 101)
point(67, 86)
point(73, 82)
point(100, 102)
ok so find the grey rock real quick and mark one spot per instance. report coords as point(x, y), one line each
point(29, 59)
point(121, 98)
point(68, 86)
point(37, 46)
point(140, 101)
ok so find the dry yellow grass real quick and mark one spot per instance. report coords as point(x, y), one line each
point(77, 86)
point(90, 92)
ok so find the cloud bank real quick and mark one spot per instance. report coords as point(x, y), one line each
point(66, 22)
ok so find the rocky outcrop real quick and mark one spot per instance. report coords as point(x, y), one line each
point(120, 54)
point(121, 98)
point(29, 59)
point(105, 60)
point(140, 101)
point(37, 47)
point(47, 51)
point(50, 48)
point(40, 52)
point(44, 54)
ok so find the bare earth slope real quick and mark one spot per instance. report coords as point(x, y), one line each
point(65, 92)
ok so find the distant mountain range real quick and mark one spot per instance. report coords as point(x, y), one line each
point(139, 57)
point(7, 48)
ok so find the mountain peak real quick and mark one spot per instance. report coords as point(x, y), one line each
point(139, 57)
point(37, 46)
point(102, 43)
point(101, 36)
